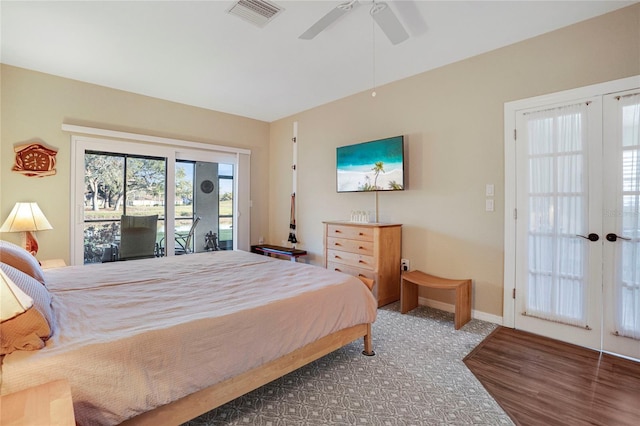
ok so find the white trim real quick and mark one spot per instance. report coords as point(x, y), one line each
point(600, 89)
point(115, 134)
point(508, 305)
point(447, 307)
point(242, 227)
point(510, 111)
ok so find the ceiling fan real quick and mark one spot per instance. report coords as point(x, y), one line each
point(380, 12)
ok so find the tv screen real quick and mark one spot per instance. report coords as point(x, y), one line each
point(371, 166)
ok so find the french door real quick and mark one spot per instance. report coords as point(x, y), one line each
point(576, 251)
point(558, 272)
point(621, 222)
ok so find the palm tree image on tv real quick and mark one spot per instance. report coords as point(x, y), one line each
point(379, 167)
point(371, 166)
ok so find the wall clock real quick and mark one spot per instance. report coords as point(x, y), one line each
point(206, 186)
point(35, 159)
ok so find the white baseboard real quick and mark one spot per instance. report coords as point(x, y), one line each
point(447, 307)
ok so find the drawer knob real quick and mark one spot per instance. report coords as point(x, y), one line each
point(336, 244)
point(360, 233)
point(336, 257)
point(337, 269)
point(361, 261)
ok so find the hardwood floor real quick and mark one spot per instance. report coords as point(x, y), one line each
point(539, 381)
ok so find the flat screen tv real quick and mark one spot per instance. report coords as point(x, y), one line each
point(371, 166)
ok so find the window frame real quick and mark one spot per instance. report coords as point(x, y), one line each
point(170, 149)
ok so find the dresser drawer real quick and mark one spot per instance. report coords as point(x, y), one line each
point(360, 233)
point(351, 270)
point(353, 246)
point(356, 272)
point(351, 259)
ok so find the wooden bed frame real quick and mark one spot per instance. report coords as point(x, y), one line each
point(207, 399)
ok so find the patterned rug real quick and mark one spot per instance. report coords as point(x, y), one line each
point(417, 377)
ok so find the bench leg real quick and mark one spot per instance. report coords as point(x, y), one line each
point(408, 296)
point(463, 305)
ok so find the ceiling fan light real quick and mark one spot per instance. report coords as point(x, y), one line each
point(377, 8)
point(389, 23)
point(347, 6)
point(381, 13)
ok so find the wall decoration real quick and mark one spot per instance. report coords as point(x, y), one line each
point(207, 186)
point(35, 159)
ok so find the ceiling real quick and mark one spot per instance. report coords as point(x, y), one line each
point(196, 53)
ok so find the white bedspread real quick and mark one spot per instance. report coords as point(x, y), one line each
point(136, 335)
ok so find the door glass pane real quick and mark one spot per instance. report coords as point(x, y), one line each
point(116, 185)
point(104, 194)
point(203, 206)
point(225, 234)
point(145, 187)
point(627, 292)
point(556, 288)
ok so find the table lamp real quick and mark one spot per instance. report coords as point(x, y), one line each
point(13, 301)
point(26, 218)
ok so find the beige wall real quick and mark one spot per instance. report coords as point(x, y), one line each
point(34, 106)
point(452, 119)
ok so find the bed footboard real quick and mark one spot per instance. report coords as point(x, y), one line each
point(219, 394)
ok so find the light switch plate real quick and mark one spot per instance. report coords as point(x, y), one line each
point(489, 190)
point(488, 205)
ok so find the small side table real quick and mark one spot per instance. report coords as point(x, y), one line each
point(267, 249)
point(47, 404)
point(52, 263)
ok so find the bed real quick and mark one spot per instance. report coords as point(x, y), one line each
point(161, 341)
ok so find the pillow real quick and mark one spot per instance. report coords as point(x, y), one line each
point(20, 259)
point(29, 330)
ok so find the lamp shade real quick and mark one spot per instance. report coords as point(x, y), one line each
point(13, 301)
point(25, 217)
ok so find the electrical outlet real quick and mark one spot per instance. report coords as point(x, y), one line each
point(404, 265)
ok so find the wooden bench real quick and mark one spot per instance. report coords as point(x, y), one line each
point(409, 293)
point(268, 249)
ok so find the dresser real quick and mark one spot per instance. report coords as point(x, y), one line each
point(371, 250)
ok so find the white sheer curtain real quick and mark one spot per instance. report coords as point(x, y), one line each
point(558, 203)
point(627, 297)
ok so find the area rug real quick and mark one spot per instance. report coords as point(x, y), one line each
point(417, 377)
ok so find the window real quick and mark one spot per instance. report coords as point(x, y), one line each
point(144, 156)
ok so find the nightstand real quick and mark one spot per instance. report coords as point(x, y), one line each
point(47, 404)
point(52, 263)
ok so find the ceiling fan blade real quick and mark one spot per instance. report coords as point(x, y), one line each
point(389, 23)
point(328, 19)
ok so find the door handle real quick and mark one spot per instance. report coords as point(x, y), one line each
point(613, 237)
point(591, 237)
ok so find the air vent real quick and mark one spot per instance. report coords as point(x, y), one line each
point(258, 12)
